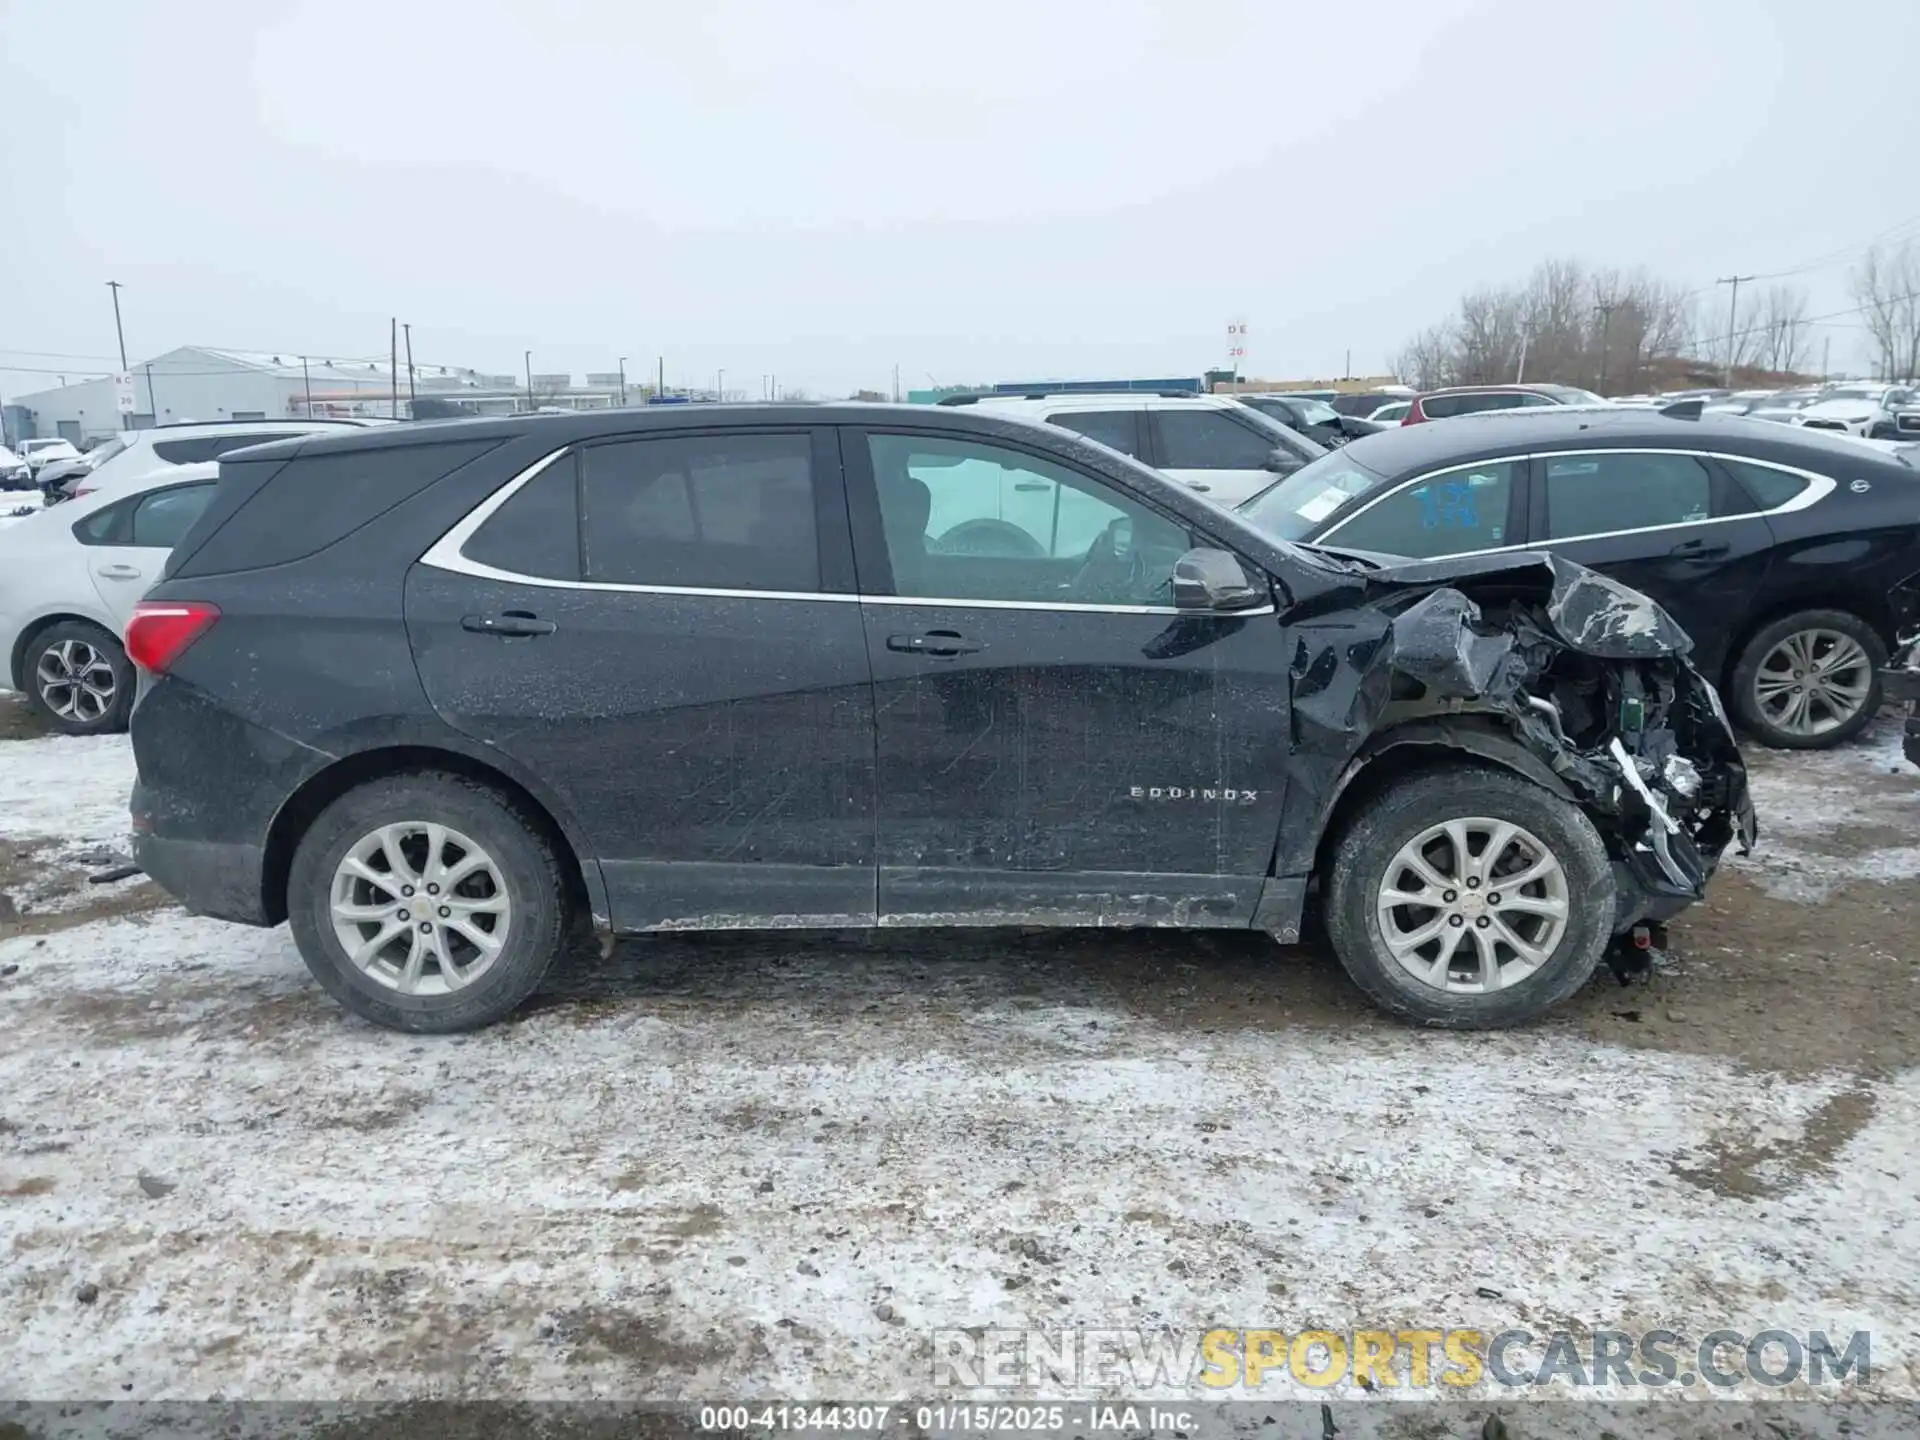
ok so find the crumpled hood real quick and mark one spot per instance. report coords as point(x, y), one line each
point(1588, 611)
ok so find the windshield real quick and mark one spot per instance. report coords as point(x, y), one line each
point(1853, 392)
point(1297, 506)
point(34, 447)
point(1314, 412)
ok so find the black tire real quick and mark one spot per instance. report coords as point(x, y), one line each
point(70, 645)
point(527, 864)
point(1373, 837)
point(1746, 706)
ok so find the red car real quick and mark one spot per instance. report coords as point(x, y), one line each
point(1471, 399)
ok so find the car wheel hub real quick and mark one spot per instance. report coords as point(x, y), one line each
point(75, 680)
point(420, 908)
point(1473, 905)
point(1812, 682)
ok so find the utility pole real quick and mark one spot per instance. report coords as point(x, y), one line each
point(306, 377)
point(393, 366)
point(1346, 371)
point(896, 382)
point(660, 383)
point(719, 386)
point(410, 394)
point(623, 382)
point(153, 405)
point(1605, 311)
point(1733, 316)
point(529, 355)
point(126, 421)
point(1826, 354)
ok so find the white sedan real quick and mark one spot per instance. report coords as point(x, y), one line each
point(69, 577)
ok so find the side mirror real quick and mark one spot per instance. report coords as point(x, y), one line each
point(1213, 580)
point(1280, 462)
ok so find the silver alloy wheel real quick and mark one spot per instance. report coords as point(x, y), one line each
point(1477, 879)
point(1813, 681)
point(76, 681)
point(420, 908)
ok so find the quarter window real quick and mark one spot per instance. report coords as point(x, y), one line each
point(967, 521)
point(160, 519)
point(1209, 440)
point(1444, 514)
point(537, 532)
point(1769, 487)
point(1599, 494)
point(731, 512)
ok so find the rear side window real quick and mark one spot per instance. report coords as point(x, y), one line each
point(1599, 494)
point(1770, 488)
point(300, 506)
point(1115, 429)
point(1209, 440)
point(194, 449)
point(1440, 407)
point(537, 532)
point(1445, 514)
point(714, 512)
point(158, 518)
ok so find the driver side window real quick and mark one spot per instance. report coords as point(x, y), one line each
point(970, 521)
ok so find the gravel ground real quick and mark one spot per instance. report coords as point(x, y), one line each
point(710, 1166)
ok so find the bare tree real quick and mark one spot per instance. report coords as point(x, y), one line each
point(1887, 285)
point(1784, 332)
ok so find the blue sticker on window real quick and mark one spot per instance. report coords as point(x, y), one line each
point(1448, 505)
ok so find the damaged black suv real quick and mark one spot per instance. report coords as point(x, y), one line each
point(436, 694)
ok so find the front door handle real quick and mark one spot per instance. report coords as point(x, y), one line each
point(1700, 549)
point(514, 622)
point(118, 572)
point(945, 643)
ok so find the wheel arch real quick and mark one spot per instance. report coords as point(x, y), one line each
point(16, 661)
point(319, 790)
point(1869, 607)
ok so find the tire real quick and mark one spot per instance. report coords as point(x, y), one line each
point(1366, 858)
point(76, 648)
point(1763, 658)
point(521, 866)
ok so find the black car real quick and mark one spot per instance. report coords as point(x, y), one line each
point(435, 693)
point(1315, 419)
point(1792, 559)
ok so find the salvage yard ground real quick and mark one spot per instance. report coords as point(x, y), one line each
point(771, 1165)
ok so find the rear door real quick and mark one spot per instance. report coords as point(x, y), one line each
point(128, 542)
point(1056, 743)
point(1670, 523)
point(1122, 430)
point(1223, 455)
point(662, 627)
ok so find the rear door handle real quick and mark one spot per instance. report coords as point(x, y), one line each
point(1700, 549)
point(934, 642)
point(118, 572)
point(510, 624)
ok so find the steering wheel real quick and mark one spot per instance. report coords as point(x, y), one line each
point(999, 539)
point(1115, 568)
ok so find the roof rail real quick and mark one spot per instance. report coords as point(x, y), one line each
point(1684, 409)
point(1075, 395)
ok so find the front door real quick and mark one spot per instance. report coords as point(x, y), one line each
point(1056, 743)
point(662, 631)
point(1671, 525)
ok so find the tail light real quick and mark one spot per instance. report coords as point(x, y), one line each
point(161, 630)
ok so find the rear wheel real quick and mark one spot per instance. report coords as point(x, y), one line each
point(427, 902)
point(1809, 680)
point(79, 679)
point(1469, 898)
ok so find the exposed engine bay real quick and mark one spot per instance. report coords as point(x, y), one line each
point(1547, 667)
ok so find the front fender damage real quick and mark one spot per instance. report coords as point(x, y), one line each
point(1588, 677)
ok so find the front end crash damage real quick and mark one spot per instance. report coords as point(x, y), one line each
point(1541, 664)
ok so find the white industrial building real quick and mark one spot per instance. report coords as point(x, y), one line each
point(196, 383)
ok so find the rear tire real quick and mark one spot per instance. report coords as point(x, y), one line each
point(458, 958)
point(1764, 700)
point(1542, 936)
point(79, 679)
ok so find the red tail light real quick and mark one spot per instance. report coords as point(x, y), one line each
point(161, 630)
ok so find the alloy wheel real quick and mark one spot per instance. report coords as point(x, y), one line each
point(1473, 905)
point(1812, 682)
point(420, 908)
point(76, 681)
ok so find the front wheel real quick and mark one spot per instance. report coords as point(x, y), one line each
point(1469, 898)
point(1809, 681)
point(427, 902)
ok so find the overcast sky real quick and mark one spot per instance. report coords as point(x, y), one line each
point(988, 190)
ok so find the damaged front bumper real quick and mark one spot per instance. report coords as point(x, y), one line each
point(1583, 681)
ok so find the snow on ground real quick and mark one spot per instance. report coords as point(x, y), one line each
point(772, 1165)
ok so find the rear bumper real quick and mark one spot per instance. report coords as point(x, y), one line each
point(220, 881)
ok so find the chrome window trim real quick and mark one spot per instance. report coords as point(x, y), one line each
point(447, 553)
point(1817, 489)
